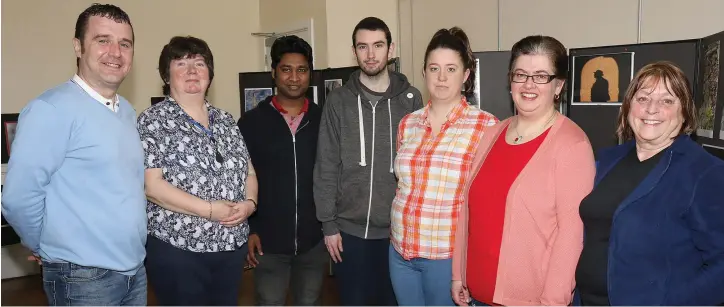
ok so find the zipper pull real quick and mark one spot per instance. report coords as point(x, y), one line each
point(294, 138)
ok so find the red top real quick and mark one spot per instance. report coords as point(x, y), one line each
point(486, 204)
point(293, 122)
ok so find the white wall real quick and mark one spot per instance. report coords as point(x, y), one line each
point(343, 16)
point(669, 20)
point(37, 50)
point(576, 23)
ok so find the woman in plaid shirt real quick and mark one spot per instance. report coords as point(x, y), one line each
point(435, 146)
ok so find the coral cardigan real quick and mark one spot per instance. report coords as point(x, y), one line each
point(542, 231)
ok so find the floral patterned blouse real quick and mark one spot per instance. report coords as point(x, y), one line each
point(188, 159)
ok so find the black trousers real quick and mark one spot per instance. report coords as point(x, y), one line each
point(181, 277)
point(363, 276)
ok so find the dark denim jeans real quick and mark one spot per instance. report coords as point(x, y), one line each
point(68, 284)
point(363, 276)
point(303, 274)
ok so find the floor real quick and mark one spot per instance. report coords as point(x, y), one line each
point(28, 291)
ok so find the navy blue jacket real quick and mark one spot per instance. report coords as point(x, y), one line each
point(667, 238)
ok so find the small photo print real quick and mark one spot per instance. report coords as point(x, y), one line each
point(710, 85)
point(253, 96)
point(9, 127)
point(601, 79)
point(312, 94)
point(476, 99)
point(330, 85)
point(10, 134)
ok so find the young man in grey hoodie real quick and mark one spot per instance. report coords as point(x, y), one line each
point(354, 180)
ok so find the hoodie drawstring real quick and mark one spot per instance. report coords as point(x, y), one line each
point(362, 157)
point(362, 154)
point(389, 113)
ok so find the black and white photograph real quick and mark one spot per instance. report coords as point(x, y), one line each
point(312, 94)
point(253, 96)
point(476, 101)
point(601, 79)
point(710, 88)
point(330, 85)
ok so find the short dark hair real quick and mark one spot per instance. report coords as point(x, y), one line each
point(372, 24)
point(675, 82)
point(542, 45)
point(290, 44)
point(109, 11)
point(182, 47)
point(455, 39)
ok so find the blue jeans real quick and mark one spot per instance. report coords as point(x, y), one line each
point(421, 282)
point(68, 284)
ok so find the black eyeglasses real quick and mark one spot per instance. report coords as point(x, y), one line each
point(537, 79)
point(219, 158)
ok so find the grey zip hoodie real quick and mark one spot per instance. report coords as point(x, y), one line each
point(354, 182)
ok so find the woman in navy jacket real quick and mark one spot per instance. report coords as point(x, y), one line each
point(654, 222)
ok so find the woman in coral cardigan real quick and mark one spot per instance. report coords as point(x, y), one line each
point(520, 226)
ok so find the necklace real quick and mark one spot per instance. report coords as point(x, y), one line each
point(519, 138)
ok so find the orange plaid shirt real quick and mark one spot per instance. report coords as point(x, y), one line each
point(431, 172)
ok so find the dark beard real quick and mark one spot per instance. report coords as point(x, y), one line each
point(373, 73)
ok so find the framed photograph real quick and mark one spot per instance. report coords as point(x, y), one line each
point(601, 79)
point(9, 125)
point(312, 94)
point(253, 96)
point(393, 64)
point(710, 82)
point(330, 85)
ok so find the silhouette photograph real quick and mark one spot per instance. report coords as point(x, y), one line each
point(601, 79)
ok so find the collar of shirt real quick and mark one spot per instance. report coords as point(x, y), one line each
point(180, 111)
point(279, 107)
point(111, 104)
point(457, 112)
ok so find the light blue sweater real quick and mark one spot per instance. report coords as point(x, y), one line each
point(74, 187)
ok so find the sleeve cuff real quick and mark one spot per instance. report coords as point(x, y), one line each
point(330, 228)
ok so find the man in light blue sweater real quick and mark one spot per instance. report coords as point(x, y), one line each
point(74, 189)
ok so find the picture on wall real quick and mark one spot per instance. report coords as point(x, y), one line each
point(253, 96)
point(9, 125)
point(601, 79)
point(710, 88)
point(312, 94)
point(330, 85)
point(476, 83)
point(394, 65)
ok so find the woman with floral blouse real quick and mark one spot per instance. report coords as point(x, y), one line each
point(200, 185)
